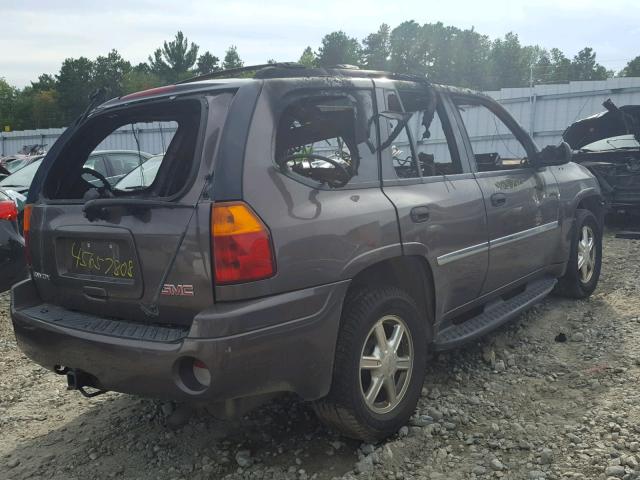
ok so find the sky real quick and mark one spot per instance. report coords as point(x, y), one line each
point(37, 35)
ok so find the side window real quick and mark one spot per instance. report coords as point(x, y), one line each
point(96, 163)
point(329, 138)
point(495, 147)
point(434, 145)
point(433, 152)
point(123, 163)
point(402, 158)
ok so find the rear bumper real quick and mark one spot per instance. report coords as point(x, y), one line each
point(245, 359)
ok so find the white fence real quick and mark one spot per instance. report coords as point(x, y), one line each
point(544, 111)
point(153, 138)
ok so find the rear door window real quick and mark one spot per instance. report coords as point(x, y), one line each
point(424, 146)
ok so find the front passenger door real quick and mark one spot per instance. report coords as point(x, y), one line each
point(522, 202)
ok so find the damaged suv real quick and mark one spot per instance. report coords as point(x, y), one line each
point(608, 144)
point(317, 231)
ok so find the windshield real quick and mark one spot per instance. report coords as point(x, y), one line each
point(15, 165)
point(613, 143)
point(142, 176)
point(23, 177)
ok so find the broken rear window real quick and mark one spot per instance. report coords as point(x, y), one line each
point(114, 146)
point(330, 139)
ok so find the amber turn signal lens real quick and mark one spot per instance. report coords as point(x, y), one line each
point(241, 244)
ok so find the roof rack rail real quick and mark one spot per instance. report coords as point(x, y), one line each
point(293, 69)
point(229, 73)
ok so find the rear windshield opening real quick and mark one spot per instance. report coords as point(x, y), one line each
point(146, 151)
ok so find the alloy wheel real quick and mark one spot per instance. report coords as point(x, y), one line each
point(586, 254)
point(386, 364)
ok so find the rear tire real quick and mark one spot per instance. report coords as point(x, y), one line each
point(384, 316)
point(585, 259)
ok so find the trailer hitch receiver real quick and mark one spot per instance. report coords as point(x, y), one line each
point(79, 380)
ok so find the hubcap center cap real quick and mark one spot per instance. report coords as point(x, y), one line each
point(389, 364)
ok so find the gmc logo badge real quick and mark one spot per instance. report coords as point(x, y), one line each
point(172, 290)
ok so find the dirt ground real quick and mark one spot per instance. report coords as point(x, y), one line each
point(553, 395)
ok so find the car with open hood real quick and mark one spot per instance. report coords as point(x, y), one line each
point(608, 144)
point(307, 230)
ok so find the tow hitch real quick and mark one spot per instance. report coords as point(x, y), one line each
point(78, 380)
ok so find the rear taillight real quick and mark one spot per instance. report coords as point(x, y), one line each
point(26, 232)
point(8, 210)
point(241, 244)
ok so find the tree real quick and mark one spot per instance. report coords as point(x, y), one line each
point(509, 63)
point(74, 84)
point(109, 73)
point(470, 54)
point(308, 58)
point(174, 59)
point(8, 96)
point(556, 70)
point(44, 82)
point(232, 59)
point(408, 50)
point(139, 78)
point(45, 110)
point(632, 69)
point(377, 48)
point(337, 48)
point(585, 67)
point(207, 63)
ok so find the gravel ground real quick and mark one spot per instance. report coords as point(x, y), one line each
point(553, 395)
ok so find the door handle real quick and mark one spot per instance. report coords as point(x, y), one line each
point(498, 199)
point(419, 214)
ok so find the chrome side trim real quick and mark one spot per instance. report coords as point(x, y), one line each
point(514, 237)
point(463, 253)
point(497, 242)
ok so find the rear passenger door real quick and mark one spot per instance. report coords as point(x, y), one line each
point(521, 202)
point(439, 204)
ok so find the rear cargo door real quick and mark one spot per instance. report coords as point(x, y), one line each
point(138, 250)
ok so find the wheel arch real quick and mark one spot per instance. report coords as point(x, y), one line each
point(411, 273)
point(591, 200)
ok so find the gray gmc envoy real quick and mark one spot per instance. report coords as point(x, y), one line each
point(317, 231)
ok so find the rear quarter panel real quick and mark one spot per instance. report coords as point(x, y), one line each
point(319, 236)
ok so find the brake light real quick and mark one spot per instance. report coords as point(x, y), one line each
point(26, 232)
point(149, 93)
point(241, 244)
point(8, 210)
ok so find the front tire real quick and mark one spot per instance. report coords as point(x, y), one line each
point(585, 259)
point(379, 365)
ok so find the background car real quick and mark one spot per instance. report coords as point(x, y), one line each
point(112, 164)
point(143, 175)
point(608, 144)
point(12, 262)
point(14, 163)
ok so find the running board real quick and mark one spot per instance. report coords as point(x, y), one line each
point(494, 315)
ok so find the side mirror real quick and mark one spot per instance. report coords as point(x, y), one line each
point(554, 155)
